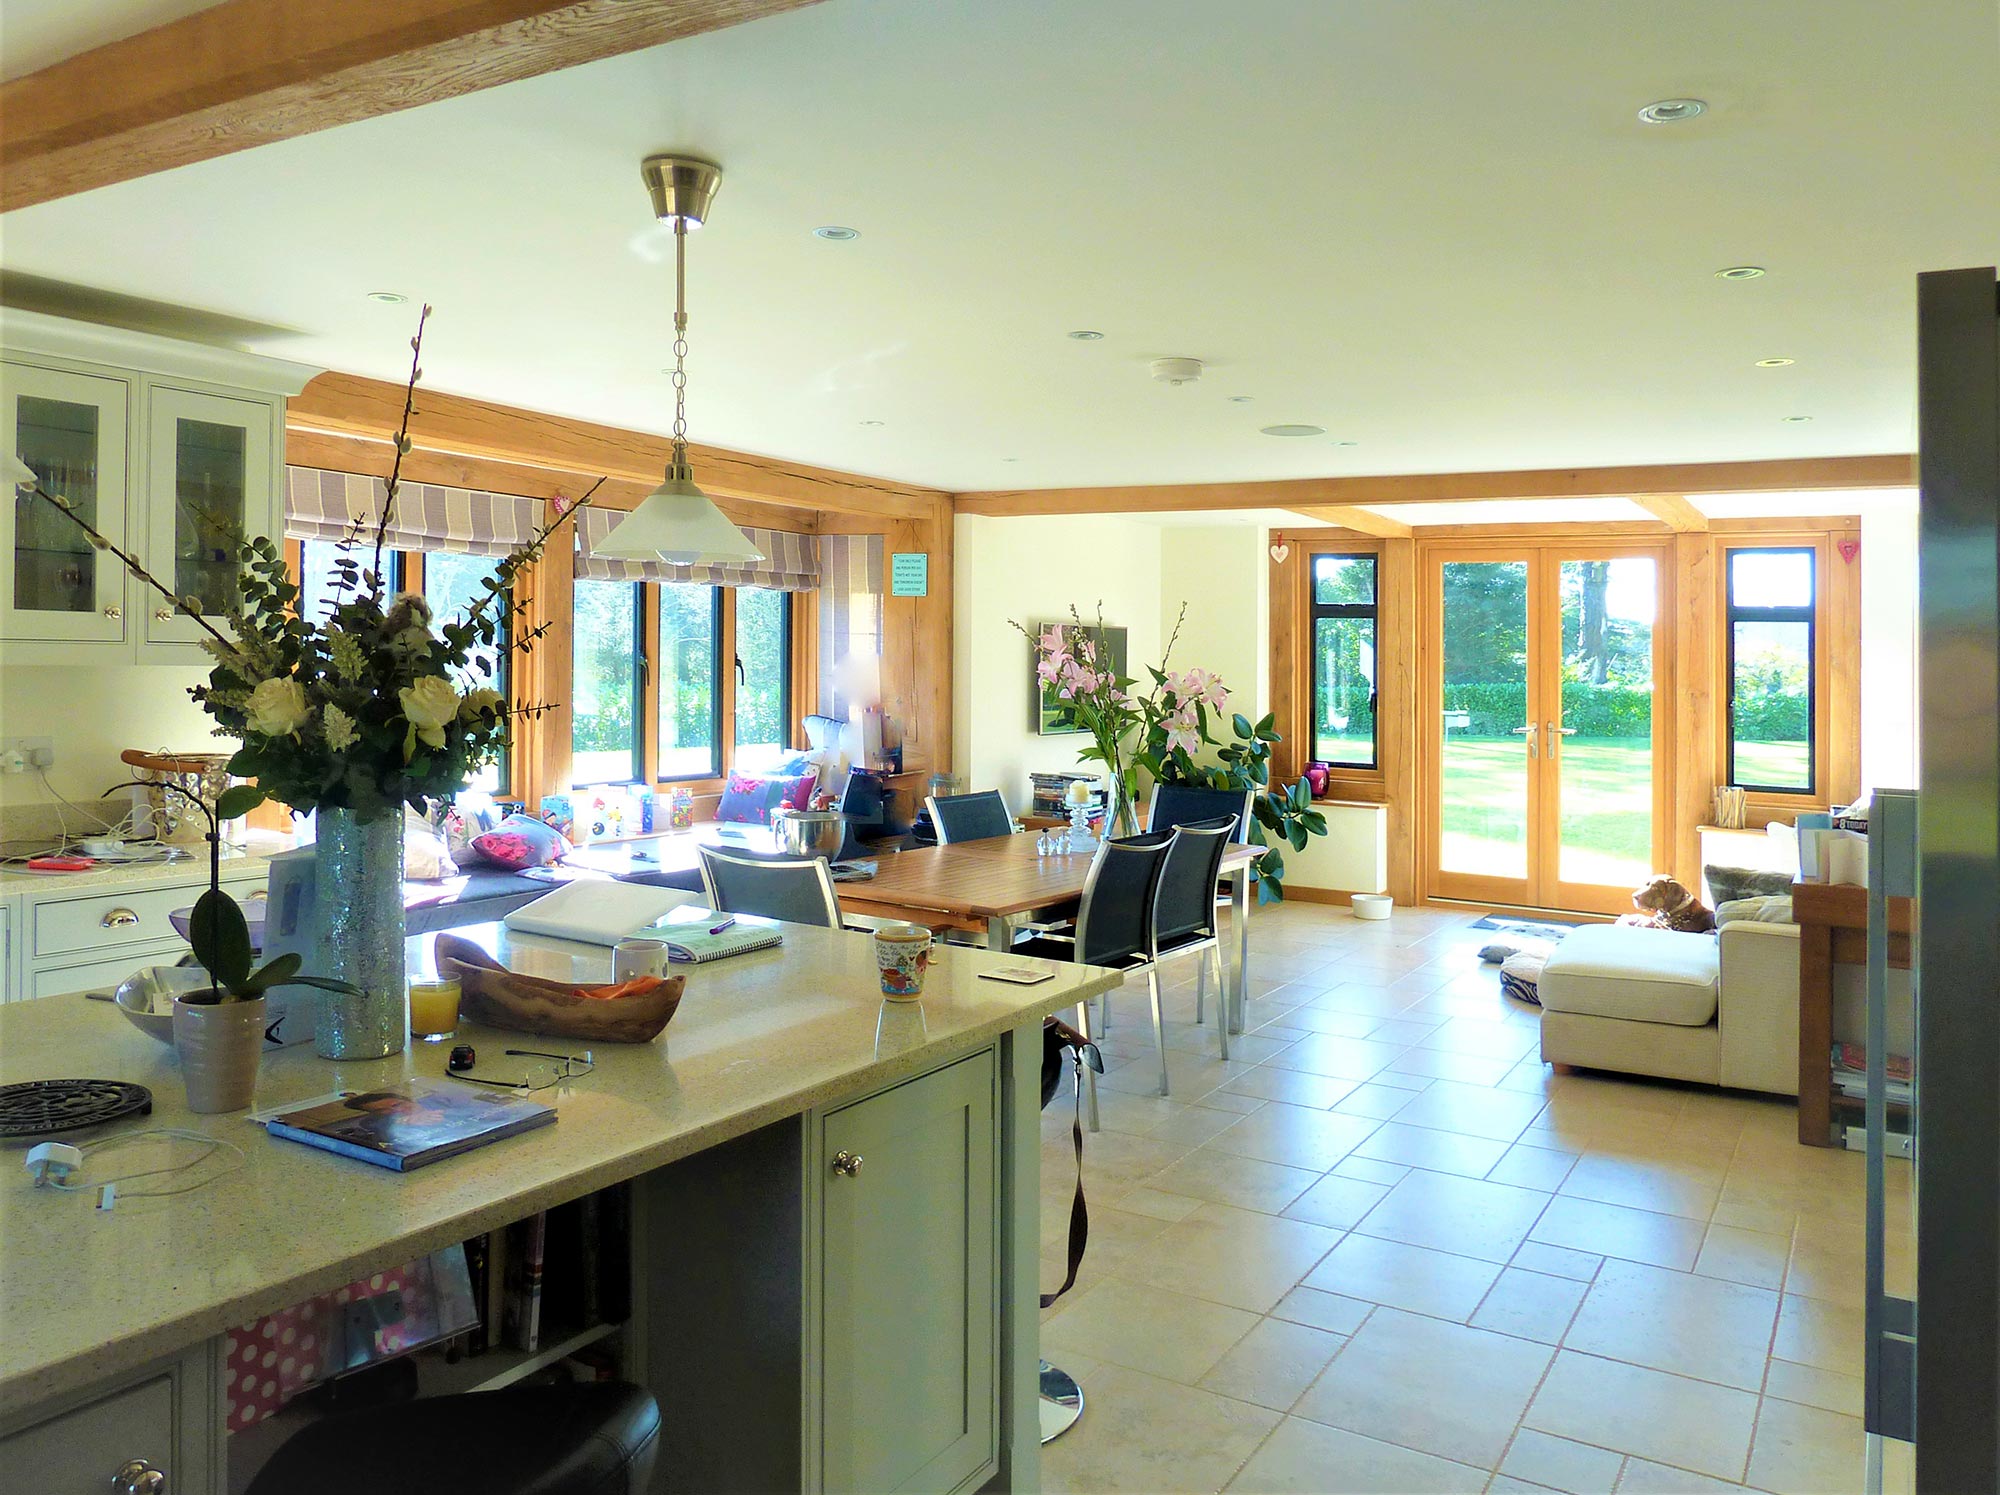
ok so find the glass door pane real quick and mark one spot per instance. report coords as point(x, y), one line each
point(1484, 758)
point(605, 686)
point(763, 676)
point(690, 681)
point(211, 472)
point(1601, 742)
point(55, 565)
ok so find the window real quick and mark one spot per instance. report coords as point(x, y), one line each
point(1772, 690)
point(317, 577)
point(690, 656)
point(680, 633)
point(452, 584)
point(763, 676)
point(606, 684)
point(1343, 660)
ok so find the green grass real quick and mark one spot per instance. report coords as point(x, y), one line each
point(1780, 765)
point(1606, 807)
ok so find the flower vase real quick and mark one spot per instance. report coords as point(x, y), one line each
point(360, 896)
point(1122, 818)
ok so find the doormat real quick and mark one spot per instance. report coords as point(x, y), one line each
point(1546, 929)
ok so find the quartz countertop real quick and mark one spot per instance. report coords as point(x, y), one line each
point(108, 877)
point(85, 1293)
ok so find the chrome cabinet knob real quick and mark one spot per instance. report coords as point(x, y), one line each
point(847, 1164)
point(137, 1477)
point(114, 613)
point(163, 615)
point(119, 918)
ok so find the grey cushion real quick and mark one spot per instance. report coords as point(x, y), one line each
point(1731, 883)
point(1769, 909)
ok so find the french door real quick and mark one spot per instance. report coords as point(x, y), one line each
point(1546, 722)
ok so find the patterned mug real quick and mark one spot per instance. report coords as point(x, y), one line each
point(902, 955)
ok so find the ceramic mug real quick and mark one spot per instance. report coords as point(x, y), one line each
point(631, 959)
point(902, 955)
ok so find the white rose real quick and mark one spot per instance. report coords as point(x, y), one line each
point(481, 701)
point(277, 707)
point(429, 705)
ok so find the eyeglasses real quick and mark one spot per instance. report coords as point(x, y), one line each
point(541, 1076)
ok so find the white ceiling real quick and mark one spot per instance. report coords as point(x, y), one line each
point(1435, 228)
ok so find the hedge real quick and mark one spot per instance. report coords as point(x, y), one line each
point(1615, 711)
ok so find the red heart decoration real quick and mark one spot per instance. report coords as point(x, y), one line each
point(1849, 549)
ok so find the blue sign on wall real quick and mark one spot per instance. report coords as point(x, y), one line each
point(910, 574)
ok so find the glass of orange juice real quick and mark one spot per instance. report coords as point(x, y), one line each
point(434, 1009)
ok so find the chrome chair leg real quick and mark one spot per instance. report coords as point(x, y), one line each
point(1200, 987)
point(1214, 953)
point(1159, 1024)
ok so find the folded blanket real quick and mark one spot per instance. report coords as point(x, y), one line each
point(496, 997)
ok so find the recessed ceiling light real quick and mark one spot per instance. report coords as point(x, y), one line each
point(1347, 443)
point(1797, 420)
point(835, 233)
point(1740, 272)
point(1085, 335)
point(1294, 430)
point(1239, 399)
point(871, 423)
point(388, 298)
point(1671, 111)
point(1010, 459)
point(1774, 363)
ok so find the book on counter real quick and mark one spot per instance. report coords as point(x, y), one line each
point(694, 936)
point(408, 1125)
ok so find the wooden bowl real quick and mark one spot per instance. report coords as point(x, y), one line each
point(495, 997)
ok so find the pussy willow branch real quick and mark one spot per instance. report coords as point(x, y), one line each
point(534, 547)
point(131, 562)
point(402, 442)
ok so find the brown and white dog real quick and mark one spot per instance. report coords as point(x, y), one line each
point(1664, 904)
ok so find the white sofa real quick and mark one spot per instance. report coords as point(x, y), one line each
point(1719, 1009)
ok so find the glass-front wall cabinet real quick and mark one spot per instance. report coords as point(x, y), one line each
point(209, 465)
point(70, 429)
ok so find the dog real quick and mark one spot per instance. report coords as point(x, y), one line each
point(1664, 904)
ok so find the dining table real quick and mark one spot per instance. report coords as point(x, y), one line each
point(994, 885)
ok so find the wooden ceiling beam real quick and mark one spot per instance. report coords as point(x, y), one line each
point(1783, 475)
point(1674, 511)
point(247, 72)
point(454, 425)
point(1360, 520)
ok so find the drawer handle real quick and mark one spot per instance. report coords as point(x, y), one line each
point(137, 1477)
point(119, 918)
point(114, 613)
point(163, 615)
point(847, 1164)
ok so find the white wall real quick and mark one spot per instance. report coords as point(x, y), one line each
point(1030, 570)
point(1223, 575)
point(1889, 647)
point(94, 714)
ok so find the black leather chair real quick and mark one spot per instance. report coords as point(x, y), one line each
point(1184, 907)
point(592, 1439)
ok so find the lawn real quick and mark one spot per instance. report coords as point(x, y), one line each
point(1607, 809)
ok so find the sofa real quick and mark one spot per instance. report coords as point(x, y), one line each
point(1717, 1009)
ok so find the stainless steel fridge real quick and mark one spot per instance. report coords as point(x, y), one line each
point(1933, 1358)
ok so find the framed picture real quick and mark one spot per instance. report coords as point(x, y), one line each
point(1044, 705)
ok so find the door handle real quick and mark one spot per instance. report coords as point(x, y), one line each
point(1553, 736)
point(847, 1164)
point(1529, 733)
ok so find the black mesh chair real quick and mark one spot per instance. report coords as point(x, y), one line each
point(1114, 928)
point(969, 817)
point(798, 890)
point(1186, 804)
point(1184, 905)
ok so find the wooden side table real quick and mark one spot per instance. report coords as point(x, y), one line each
point(1833, 930)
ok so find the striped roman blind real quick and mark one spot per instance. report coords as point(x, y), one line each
point(791, 562)
point(322, 505)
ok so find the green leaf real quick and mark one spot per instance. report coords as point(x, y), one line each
point(326, 983)
point(1297, 836)
point(1314, 822)
point(221, 938)
point(1264, 726)
point(1241, 724)
point(238, 800)
point(272, 973)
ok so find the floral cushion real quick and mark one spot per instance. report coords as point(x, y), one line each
point(522, 841)
point(749, 800)
point(799, 790)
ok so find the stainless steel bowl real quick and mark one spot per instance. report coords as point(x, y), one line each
point(147, 997)
point(809, 833)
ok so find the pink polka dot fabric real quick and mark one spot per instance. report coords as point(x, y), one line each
point(274, 1358)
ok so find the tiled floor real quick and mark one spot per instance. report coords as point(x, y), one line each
point(1385, 1248)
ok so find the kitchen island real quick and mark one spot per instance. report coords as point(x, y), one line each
point(757, 1265)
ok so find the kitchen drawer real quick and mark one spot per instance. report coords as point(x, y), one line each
point(128, 918)
point(100, 975)
point(79, 1452)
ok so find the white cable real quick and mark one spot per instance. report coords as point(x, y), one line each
point(211, 1146)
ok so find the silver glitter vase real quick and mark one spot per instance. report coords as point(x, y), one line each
point(360, 892)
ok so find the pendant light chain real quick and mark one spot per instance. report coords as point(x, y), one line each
point(680, 340)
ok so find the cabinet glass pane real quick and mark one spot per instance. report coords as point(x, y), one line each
point(55, 569)
point(210, 474)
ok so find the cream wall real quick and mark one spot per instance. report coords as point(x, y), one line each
point(1889, 647)
point(1223, 575)
point(94, 714)
point(1031, 569)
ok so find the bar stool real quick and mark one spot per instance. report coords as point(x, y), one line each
point(589, 1439)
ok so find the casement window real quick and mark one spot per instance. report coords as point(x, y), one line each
point(1770, 629)
point(1342, 627)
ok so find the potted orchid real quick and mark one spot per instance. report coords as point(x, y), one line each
point(371, 706)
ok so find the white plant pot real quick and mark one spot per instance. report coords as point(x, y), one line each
point(219, 1044)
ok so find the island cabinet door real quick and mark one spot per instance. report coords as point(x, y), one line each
point(908, 1311)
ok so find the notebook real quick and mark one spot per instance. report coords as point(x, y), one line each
point(408, 1125)
point(685, 934)
point(598, 910)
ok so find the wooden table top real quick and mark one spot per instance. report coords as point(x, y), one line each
point(985, 879)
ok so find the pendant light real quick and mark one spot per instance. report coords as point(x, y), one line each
point(677, 522)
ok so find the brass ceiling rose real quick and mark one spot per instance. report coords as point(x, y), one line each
point(681, 187)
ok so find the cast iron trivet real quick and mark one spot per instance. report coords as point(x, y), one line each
point(41, 1108)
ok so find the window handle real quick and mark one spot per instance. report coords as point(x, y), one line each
point(1529, 733)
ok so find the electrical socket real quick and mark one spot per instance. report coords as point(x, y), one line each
point(19, 754)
